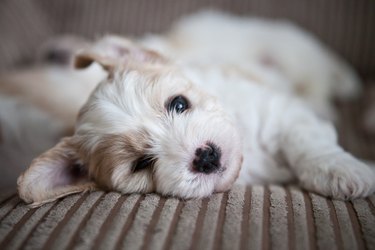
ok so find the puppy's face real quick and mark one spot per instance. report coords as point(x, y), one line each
point(152, 130)
point(148, 129)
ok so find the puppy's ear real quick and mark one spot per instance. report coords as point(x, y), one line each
point(54, 174)
point(113, 51)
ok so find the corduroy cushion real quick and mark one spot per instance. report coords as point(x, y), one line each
point(245, 218)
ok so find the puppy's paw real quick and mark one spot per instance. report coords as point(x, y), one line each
point(340, 176)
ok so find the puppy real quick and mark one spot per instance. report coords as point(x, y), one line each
point(180, 117)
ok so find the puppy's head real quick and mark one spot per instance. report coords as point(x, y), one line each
point(146, 128)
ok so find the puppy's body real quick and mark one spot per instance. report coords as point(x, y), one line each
point(277, 54)
point(268, 76)
point(183, 126)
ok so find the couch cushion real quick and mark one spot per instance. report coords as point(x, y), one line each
point(245, 218)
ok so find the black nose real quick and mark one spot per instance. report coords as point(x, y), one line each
point(207, 159)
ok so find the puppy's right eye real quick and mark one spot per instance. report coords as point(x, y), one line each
point(144, 162)
point(178, 104)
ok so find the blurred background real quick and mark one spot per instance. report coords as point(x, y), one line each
point(345, 26)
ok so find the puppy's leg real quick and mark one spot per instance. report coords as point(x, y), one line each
point(320, 164)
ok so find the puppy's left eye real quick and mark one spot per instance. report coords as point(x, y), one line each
point(178, 104)
point(145, 161)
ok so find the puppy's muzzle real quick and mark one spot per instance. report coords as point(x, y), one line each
point(207, 159)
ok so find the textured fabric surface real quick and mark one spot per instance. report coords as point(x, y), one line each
point(257, 217)
point(346, 26)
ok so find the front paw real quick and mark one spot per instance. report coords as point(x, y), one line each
point(339, 175)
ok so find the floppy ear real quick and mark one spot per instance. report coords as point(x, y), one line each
point(54, 174)
point(113, 51)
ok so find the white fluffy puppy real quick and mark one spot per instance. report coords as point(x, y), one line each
point(183, 126)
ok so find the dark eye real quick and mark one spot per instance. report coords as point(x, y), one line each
point(145, 161)
point(178, 104)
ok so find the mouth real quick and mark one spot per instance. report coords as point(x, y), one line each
point(217, 171)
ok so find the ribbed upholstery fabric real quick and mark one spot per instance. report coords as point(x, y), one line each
point(346, 26)
point(257, 217)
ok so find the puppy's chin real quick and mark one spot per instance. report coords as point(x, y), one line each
point(232, 162)
point(136, 183)
point(231, 173)
point(202, 186)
